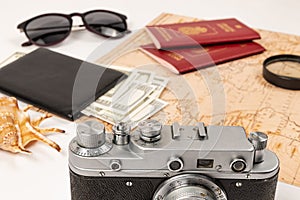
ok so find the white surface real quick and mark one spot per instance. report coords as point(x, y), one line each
point(44, 174)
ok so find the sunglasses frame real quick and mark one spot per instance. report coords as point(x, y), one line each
point(22, 26)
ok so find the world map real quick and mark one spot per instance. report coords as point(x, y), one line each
point(231, 94)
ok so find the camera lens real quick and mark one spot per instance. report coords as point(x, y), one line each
point(191, 193)
point(189, 187)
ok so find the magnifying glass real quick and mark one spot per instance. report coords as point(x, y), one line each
point(283, 71)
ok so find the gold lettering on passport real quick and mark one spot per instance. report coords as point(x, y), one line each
point(175, 56)
point(196, 53)
point(238, 26)
point(226, 27)
point(192, 30)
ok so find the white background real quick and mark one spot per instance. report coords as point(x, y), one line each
point(44, 174)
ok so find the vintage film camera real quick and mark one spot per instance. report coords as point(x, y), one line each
point(157, 162)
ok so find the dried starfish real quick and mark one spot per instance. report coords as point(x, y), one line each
point(17, 130)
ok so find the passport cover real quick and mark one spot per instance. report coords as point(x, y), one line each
point(57, 83)
point(202, 32)
point(181, 61)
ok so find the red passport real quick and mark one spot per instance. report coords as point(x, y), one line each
point(202, 32)
point(181, 61)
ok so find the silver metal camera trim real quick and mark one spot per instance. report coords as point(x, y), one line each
point(140, 159)
point(89, 152)
point(260, 171)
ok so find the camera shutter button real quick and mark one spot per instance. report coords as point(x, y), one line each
point(150, 130)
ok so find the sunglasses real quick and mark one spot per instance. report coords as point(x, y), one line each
point(50, 29)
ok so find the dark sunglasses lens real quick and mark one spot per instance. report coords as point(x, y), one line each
point(105, 23)
point(48, 30)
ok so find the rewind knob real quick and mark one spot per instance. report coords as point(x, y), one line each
point(90, 140)
point(90, 134)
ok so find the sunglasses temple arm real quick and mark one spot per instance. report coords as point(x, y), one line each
point(75, 27)
point(46, 28)
point(26, 44)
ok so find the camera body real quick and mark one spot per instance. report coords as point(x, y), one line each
point(160, 162)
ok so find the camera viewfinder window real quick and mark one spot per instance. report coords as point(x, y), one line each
point(205, 163)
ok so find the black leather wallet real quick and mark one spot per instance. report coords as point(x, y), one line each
point(57, 83)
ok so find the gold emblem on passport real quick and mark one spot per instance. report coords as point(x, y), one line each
point(175, 56)
point(192, 30)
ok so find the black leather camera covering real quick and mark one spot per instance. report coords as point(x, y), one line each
point(57, 83)
point(108, 188)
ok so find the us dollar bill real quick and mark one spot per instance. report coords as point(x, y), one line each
point(110, 115)
point(149, 110)
point(136, 76)
point(102, 103)
point(131, 98)
point(106, 101)
point(134, 93)
point(15, 56)
point(104, 115)
point(160, 83)
point(133, 118)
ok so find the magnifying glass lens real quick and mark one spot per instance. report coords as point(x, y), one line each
point(283, 71)
point(285, 68)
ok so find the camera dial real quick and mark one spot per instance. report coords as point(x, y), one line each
point(189, 187)
point(259, 140)
point(90, 140)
